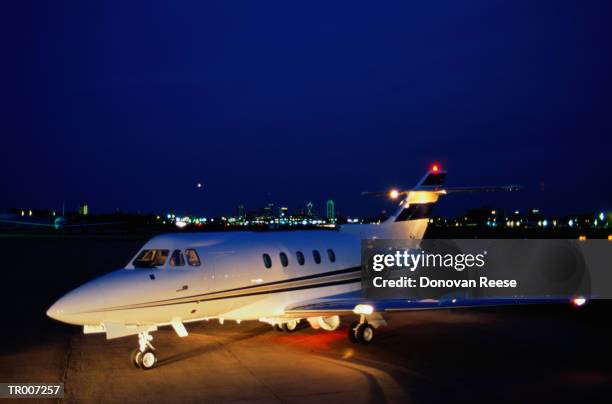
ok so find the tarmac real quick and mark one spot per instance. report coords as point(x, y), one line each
point(494, 355)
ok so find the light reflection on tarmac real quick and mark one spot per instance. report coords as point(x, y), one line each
point(494, 355)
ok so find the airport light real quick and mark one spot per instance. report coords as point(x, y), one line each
point(582, 237)
point(363, 309)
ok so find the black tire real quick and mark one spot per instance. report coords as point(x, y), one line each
point(146, 356)
point(365, 333)
point(352, 332)
point(134, 357)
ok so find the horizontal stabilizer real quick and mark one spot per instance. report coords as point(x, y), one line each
point(503, 188)
point(446, 190)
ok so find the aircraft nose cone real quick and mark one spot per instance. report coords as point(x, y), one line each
point(59, 310)
point(72, 307)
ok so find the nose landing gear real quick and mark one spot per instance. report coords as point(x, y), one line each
point(144, 356)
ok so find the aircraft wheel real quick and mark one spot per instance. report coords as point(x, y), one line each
point(134, 357)
point(278, 327)
point(147, 359)
point(290, 326)
point(364, 333)
point(352, 331)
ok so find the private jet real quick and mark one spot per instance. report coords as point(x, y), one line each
point(279, 278)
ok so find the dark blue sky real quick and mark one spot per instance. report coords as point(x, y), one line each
point(129, 104)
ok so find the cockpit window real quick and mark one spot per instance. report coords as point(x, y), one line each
point(177, 259)
point(192, 257)
point(151, 259)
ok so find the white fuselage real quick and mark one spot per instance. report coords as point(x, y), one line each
point(231, 281)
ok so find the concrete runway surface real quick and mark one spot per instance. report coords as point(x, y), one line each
point(495, 355)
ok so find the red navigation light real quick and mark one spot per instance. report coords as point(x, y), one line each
point(435, 167)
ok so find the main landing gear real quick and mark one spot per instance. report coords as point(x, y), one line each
point(144, 356)
point(289, 326)
point(361, 331)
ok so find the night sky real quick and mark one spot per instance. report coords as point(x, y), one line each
point(130, 104)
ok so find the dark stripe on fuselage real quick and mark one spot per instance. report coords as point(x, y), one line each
point(415, 211)
point(209, 295)
point(264, 292)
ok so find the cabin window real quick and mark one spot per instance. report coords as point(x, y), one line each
point(300, 257)
point(151, 258)
point(267, 261)
point(193, 259)
point(284, 260)
point(177, 259)
point(316, 256)
point(331, 255)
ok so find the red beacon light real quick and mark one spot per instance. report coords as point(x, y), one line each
point(435, 167)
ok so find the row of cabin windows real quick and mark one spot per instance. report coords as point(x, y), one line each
point(299, 256)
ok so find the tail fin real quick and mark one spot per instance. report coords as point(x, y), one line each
point(411, 219)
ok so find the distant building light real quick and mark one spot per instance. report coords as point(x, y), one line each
point(601, 216)
point(570, 223)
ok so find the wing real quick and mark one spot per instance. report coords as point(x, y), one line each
point(348, 305)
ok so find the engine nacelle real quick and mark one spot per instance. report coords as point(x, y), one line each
point(328, 323)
